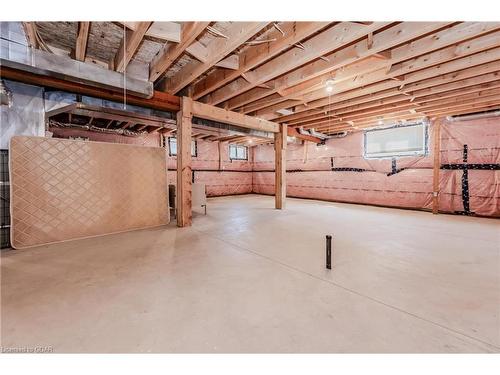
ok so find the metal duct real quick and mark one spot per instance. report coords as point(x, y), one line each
point(128, 133)
point(5, 94)
point(474, 116)
point(20, 57)
point(227, 129)
point(339, 134)
point(319, 135)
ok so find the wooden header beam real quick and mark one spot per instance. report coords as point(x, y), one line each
point(213, 113)
point(160, 100)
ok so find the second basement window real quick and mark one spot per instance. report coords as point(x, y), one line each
point(172, 147)
point(237, 152)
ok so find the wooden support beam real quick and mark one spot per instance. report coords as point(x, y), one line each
point(81, 40)
point(184, 174)
point(166, 57)
point(292, 132)
point(129, 45)
point(436, 136)
point(213, 113)
point(160, 100)
point(280, 140)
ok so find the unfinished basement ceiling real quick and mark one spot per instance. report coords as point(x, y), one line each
point(379, 73)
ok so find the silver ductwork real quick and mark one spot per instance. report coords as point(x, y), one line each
point(313, 133)
point(474, 116)
point(320, 135)
point(17, 56)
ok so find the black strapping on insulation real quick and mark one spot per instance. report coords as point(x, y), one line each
point(465, 167)
point(333, 169)
point(394, 168)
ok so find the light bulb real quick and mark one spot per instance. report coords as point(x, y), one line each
point(329, 85)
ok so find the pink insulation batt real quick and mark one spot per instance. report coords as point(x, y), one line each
point(310, 175)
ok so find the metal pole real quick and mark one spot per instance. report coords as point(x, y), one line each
point(329, 252)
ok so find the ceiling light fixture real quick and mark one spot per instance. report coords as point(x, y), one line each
point(329, 85)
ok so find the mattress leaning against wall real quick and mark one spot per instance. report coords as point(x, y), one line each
point(64, 189)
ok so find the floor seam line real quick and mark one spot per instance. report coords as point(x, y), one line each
point(348, 289)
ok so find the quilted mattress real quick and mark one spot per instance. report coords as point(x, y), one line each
point(64, 189)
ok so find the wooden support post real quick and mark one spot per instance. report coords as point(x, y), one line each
point(437, 164)
point(280, 140)
point(184, 117)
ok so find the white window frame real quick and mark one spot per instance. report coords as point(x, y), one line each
point(389, 155)
point(238, 147)
point(194, 147)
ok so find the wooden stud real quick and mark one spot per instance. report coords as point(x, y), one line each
point(280, 140)
point(184, 174)
point(437, 164)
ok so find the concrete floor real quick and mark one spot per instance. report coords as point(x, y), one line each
point(248, 278)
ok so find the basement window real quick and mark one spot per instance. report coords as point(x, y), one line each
point(237, 152)
point(172, 147)
point(396, 141)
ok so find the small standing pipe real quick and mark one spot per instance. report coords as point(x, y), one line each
point(329, 252)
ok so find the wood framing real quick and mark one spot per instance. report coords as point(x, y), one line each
point(129, 45)
point(321, 44)
point(436, 139)
point(293, 32)
point(160, 100)
point(184, 171)
point(280, 141)
point(218, 49)
point(166, 57)
point(276, 72)
point(213, 113)
point(81, 40)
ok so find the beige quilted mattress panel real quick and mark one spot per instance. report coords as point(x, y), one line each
point(63, 190)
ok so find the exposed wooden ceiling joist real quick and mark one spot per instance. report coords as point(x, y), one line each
point(315, 47)
point(129, 45)
point(237, 33)
point(439, 74)
point(316, 73)
point(291, 33)
point(168, 54)
point(81, 40)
